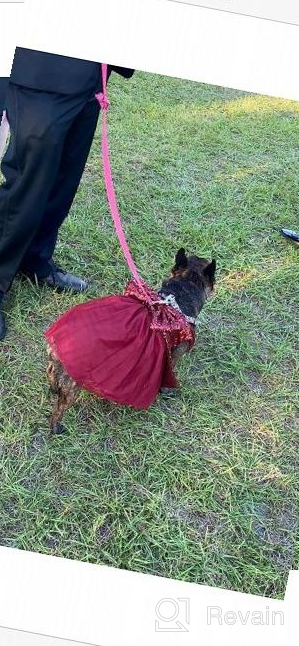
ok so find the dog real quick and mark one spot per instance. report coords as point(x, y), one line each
point(189, 285)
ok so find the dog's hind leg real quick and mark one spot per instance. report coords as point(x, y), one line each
point(64, 389)
point(66, 395)
point(52, 375)
point(61, 404)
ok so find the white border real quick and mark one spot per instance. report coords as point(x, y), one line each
point(104, 606)
point(11, 21)
point(171, 38)
point(286, 11)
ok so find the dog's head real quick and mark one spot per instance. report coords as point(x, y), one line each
point(198, 271)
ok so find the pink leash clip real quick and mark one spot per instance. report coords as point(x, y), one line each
point(103, 101)
point(102, 97)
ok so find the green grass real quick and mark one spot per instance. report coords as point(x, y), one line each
point(203, 487)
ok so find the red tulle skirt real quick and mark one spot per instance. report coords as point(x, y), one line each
point(119, 347)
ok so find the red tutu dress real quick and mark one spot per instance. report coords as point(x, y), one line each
point(119, 347)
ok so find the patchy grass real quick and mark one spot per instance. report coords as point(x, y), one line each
point(203, 487)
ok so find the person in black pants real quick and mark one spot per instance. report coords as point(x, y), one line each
point(52, 113)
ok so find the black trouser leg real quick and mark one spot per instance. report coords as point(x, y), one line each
point(39, 125)
point(75, 152)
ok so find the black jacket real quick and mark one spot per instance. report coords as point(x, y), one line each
point(56, 73)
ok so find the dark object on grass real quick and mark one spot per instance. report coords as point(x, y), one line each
point(123, 347)
point(58, 279)
point(289, 234)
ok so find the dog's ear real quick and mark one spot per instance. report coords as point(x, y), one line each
point(181, 261)
point(210, 271)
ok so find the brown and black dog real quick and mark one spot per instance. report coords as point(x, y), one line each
point(189, 285)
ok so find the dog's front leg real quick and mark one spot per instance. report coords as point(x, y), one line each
point(178, 352)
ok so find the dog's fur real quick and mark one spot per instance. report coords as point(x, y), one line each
point(191, 282)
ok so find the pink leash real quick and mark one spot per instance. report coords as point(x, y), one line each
point(103, 100)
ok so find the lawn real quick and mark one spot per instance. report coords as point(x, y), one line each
point(202, 487)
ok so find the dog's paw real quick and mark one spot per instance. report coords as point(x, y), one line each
point(58, 429)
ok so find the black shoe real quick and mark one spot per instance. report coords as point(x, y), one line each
point(293, 236)
point(61, 281)
point(2, 326)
